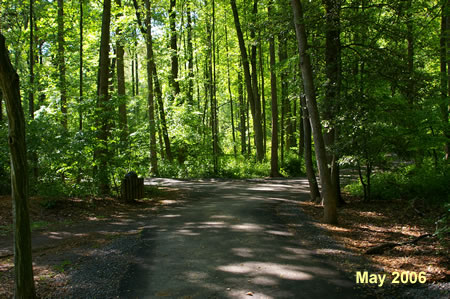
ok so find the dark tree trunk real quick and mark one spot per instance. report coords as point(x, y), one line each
point(80, 109)
point(282, 56)
point(259, 136)
point(23, 268)
point(314, 192)
point(150, 96)
point(333, 88)
point(103, 98)
point(62, 63)
point(1, 106)
point(328, 192)
point(242, 109)
point(229, 92)
point(190, 55)
point(162, 114)
point(274, 170)
point(173, 46)
point(123, 123)
point(251, 96)
point(445, 74)
point(263, 97)
point(31, 93)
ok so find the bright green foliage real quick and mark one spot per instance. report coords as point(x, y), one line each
point(388, 111)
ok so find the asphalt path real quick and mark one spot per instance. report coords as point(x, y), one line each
point(225, 239)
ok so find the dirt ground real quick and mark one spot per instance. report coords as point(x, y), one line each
point(363, 225)
point(73, 224)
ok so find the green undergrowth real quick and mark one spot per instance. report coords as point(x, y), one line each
point(409, 182)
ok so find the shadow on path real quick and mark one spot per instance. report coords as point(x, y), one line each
point(226, 241)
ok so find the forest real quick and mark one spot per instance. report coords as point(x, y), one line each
point(352, 95)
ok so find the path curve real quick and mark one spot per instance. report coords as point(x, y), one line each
point(226, 240)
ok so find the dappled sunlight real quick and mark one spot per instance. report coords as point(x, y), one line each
point(243, 252)
point(261, 268)
point(247, 227)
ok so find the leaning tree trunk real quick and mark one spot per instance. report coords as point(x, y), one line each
point(329, 195)
point(23, 268)
point(150, 97)
point(251, 97)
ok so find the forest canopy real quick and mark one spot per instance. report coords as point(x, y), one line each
point(194, 88)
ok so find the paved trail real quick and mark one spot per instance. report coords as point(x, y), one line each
point(225, 240)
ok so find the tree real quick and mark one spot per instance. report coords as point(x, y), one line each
point(62, 63)
point(328, 192)
point(333, 86)
point(251, 96)
point(173, 46)
point(150, 95)
point(123, 125)
point(9, 83)
point(314, 192)
point(80, 110)
point(103, 98)
point(274, 170)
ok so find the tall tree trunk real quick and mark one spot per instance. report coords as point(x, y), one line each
point(229, 91)
point(333, 88)
point(103, 98)
point(23, 267)
point(190, 54)
point(251, 96)
point(274, 170)
point(136, 67)
point(34, 157)
point(445, 74)
point(162, 114)
point(80, 109)
point(328, 192)
point(150, 99)
point(1, 106)
point(242, 109)
point(259, 143)
point(263, 97)
point(282, 56)
point(62, 63)
point(173, 46)
point(31, 93)
point(123, 123)
point(314, 192)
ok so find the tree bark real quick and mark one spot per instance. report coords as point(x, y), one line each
point(274, 169)
point(103, 98)
point(445, 74)
point(242, 109)
point(190, 54)
point(23, 268)
point(173, 46)
point(314, 192)
point(162, 114)
point(229, 91)
point(251, 96)
point(62, 63)
point(31, 93)
point(150, 96)
point(328, 192)
point(123, 123)
point(80, 109)
point(333, 87)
